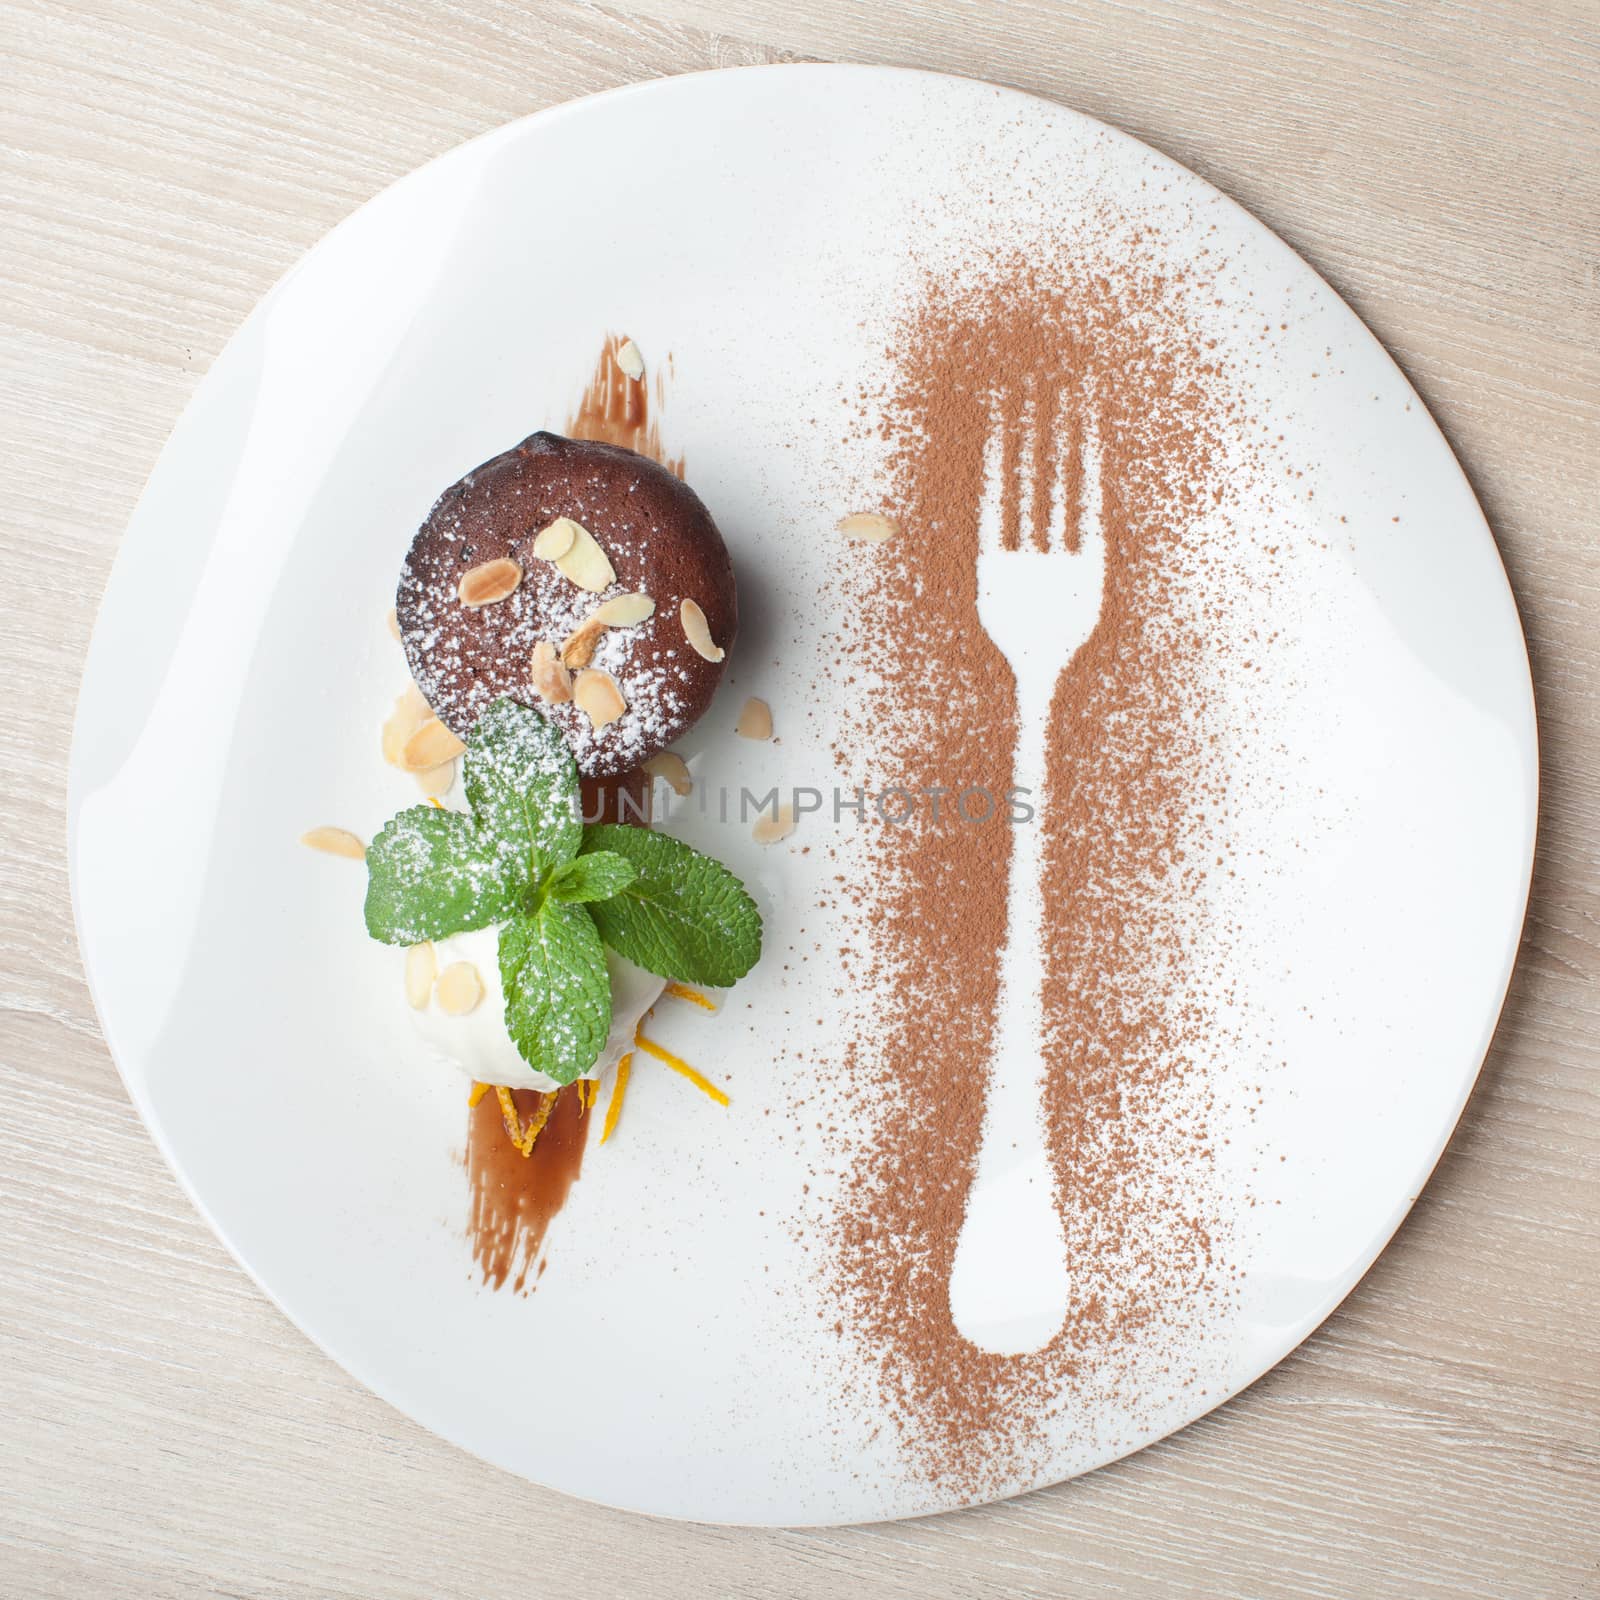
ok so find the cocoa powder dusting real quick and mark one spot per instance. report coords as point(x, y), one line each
point(1131, 1025)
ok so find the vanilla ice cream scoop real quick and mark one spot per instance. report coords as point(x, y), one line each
point(478, 1045)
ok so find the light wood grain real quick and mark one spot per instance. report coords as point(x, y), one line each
point(164, 1431)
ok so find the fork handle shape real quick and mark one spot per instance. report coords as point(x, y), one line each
point(1008, 1284)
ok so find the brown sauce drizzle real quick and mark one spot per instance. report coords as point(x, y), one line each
point(516, 1196)
point(616, 409)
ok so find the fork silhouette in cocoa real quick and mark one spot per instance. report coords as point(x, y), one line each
point(1039, 602)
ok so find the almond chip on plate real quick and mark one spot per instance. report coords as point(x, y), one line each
point(698, 631)
point(672, 769)
point(431, 745)
point(488, 582)
point(335, 842)
point(755, 721)
point(410, 712)
point(868, 526)
point(769, 830)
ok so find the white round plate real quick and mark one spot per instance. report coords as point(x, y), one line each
point(747, 221)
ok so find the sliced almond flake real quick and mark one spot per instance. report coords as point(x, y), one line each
point(868, 526)
point(489, 581)
point(409, 713)
point(629, 359)
point(623, 611)
point(430, 746)
point(585, 563)
point(698, 631)
point(769, 830)
point(435, 781)
point(672, 769)
point(598, 696)
point(393, 620)
point(459, 988)
point(335, 842)
point(755, 720)
point(577, 649)
point(421, 965)
point(556, 539)
point(550, 678)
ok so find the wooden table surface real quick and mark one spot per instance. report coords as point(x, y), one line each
point(164, 1431)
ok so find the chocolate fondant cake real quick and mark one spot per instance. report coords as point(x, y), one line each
point(660, 542)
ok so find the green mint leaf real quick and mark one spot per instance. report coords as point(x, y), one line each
point(558, 990)
point(522, 785)
point(684, 916)
point(593, 876)
point(431, 873)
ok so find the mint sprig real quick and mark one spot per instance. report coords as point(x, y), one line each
point(522, 783)
point(522, 858)
point(595, 876)
point(558, 991)
point(684, 915)
point(431, 873)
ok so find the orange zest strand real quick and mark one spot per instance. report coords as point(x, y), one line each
point(614, 1104)
point(434, 800)
point(523, 1137)
point(678, 1064)
point(682, 991)
point(535, 1124)
point(476, 1093)
point(508, 1112)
